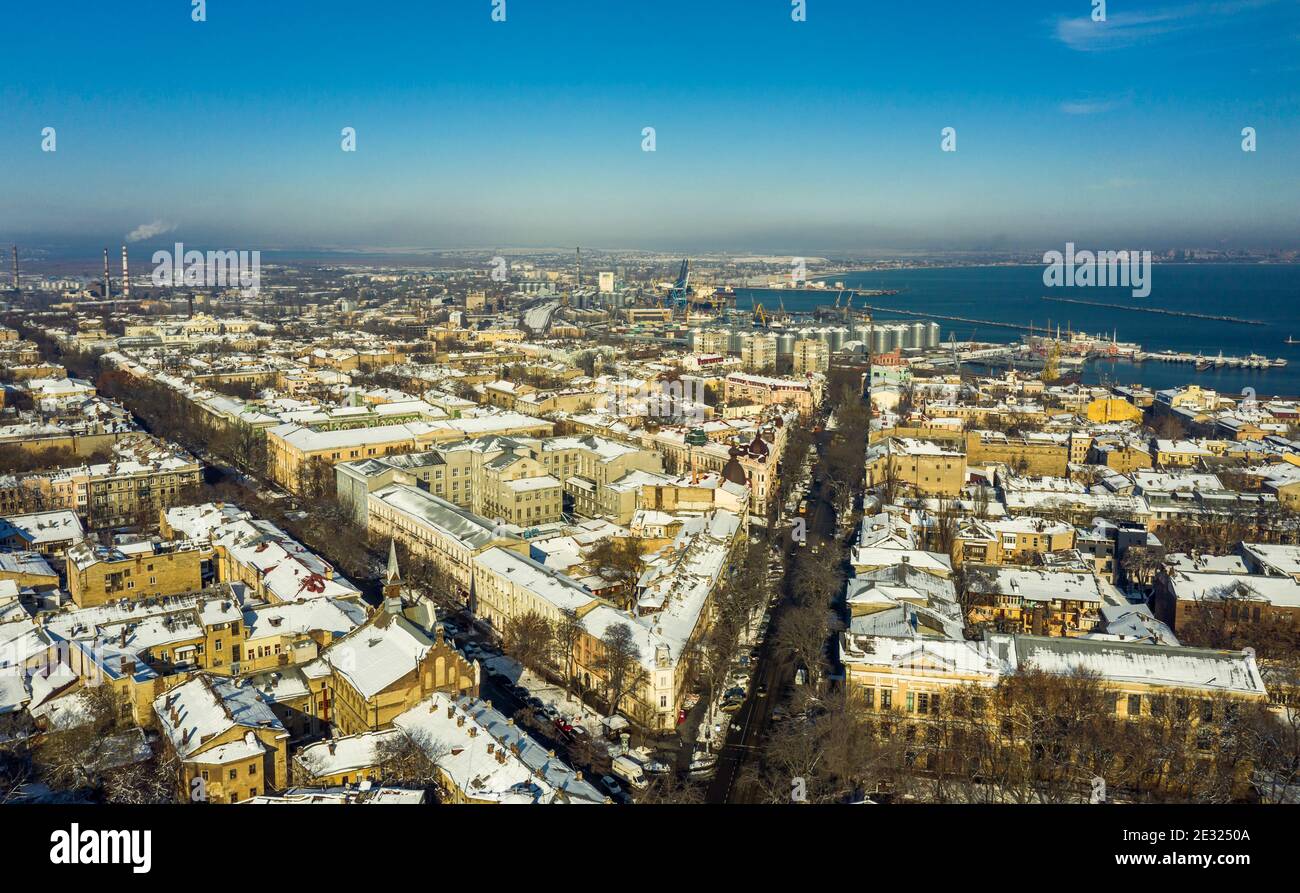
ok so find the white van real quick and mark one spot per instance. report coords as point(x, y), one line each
point(629, 770)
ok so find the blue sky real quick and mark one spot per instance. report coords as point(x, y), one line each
point(772, 135)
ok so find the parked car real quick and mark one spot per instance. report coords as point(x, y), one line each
point(612, 785)
point(762, 690)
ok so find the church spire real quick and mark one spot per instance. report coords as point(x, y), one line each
point(393, 576)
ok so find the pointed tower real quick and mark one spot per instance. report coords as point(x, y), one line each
point(393, 576)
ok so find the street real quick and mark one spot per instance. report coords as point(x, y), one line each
point(773, 671)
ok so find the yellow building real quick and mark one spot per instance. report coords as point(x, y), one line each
point(99, 574)
point(1035, 454)
point(1012, 540)
point(1112, 409)
point(917, 466)
point(436, 530)
point(230, 744)
point(384, 668)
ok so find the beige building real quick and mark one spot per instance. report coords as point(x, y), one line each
point(917, 466)
point(803, 394)
point(811, 355)
point(434, 529)
point(230, 744)
point(758, 352)
point(100, 574)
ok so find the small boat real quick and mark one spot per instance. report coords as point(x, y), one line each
point(1202, 364)
point(1291, 339)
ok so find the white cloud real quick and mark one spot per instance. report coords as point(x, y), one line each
point(1088, 106)
point(1125, 29)
point(149, 230)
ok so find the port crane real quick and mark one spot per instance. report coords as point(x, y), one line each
point(679, 294)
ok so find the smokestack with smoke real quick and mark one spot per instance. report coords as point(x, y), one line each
point(126, 276)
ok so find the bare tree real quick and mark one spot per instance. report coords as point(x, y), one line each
point(619, 662)
point(530, 639)
point(566, 634)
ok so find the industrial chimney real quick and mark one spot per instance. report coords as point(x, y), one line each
point(126, 276)
point(108, 283)
point(15, 268)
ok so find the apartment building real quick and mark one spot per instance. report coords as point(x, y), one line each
point(100, 574)
point(1037, 601)
point(803, 394)
point(437, 530)
point(230, 744)
point(922, 467)
point(130, 490)
point(1010, 540)
point(811, 355)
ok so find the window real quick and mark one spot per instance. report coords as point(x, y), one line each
point(869, 698)
point(233, 773)
point(1134, 705)
point(252, 768)
point(886, 698)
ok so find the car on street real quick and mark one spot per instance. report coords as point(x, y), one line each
point(762, 690)
point(611, 784)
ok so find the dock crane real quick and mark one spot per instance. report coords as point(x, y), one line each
point(679, 295)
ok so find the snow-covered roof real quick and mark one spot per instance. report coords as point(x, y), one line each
point(194, 712)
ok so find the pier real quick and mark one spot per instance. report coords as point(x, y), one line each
point(1186, 314)
point(1019, 327)
point(1254, 361)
